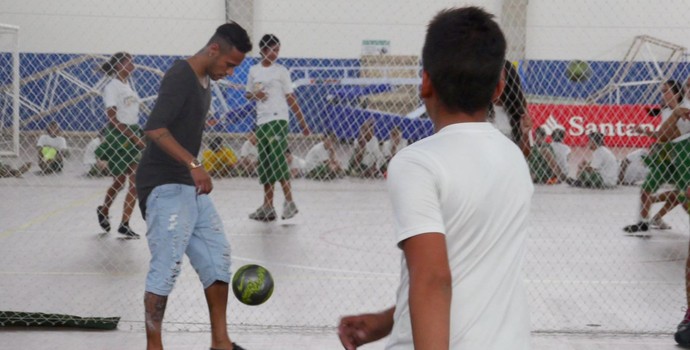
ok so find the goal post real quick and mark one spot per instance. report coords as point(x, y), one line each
point(9, 90)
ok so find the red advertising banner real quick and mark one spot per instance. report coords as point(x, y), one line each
point(616, 122)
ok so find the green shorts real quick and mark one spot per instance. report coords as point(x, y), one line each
point(119, 151)
point(272, 145)
point(591, 179)
point(681, 165)
point(660, 165)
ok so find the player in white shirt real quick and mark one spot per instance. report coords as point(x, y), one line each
point(460, 222)
point(52, 150)
point(561, 151)
point(367, 158)
point(658, 161)
point(269, 84)
point(322, 162)
point(633, 169)
point(602, 170)
point(123, 143)
point(392, 146)
point(249, 156)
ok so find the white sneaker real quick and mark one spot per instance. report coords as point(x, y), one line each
point(263, 214)
point(659, 224)
point(289, 210)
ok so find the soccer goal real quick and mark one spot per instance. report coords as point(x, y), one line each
point(9, 90)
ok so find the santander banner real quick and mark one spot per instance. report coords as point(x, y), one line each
point(616, 122)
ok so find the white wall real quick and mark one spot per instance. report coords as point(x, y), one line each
point(100, 26)
point(556, 29)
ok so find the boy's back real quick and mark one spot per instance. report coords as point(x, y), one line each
point(471, 183)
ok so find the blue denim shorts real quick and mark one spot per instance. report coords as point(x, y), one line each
point(181, 222)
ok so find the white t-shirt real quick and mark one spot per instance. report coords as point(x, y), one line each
point(605, 163)
point(502, 121)
point(561, 152)
point(316, 156)
point(298, 164)
point(682, 124)
point(89, 157)
point(249, 150)
point(58, 142)
point(120, 95)
point(372, 153)
point(636, 170)
point(388, 146)
point(275, 82)
point(455, 183)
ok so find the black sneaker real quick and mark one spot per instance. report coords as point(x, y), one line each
point(234, 347)
point(682, 335)
point(127, 231)
point(103, 219)
point(638, 227)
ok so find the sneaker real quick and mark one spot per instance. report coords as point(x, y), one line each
point(638, 227)
point(659, 224)
point(103, 219)
point(289, 210)
point(127, 231)
point(682, 335)
point(234, 347)
point(263, 214)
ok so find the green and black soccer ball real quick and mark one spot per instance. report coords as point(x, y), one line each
point(252, 284)
point(578, 71)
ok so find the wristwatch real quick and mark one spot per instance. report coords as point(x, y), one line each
point(195, 163)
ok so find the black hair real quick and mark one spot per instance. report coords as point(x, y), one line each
point(231, 35)
point(540, 131)
point(268, 40)
point(464, 52)
point(513, 100)
point(109, 67)
point(558, 135)
point(676, 88)
point(216, 143)
point(597, 138)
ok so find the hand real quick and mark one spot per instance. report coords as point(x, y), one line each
point(306, 131)
point(139, 143)
point(682, 112)
point(354, 331)
point(260, 95)
point(202, 180)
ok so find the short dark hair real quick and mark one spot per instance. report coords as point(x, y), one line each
point(540, 131)
point(464, 53)
point(216, 143)
point(109, 66)
point(676, 88)
point(596, 137)
point(231, 35)
point(558, 135)
point(267, 41)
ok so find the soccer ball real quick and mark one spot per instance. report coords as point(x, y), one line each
point(578, 71)
point(252, 284)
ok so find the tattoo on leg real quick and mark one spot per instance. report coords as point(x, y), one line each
point(155, 309)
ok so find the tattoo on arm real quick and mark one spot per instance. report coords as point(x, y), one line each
point(162, 135)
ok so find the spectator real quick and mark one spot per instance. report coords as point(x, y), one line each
point(391, 146)
point(219, 160)
point(52, 149)
point(97, 167)
point(322, 162)
point(366, 157)
point(542, 162)
point(602, 170)
point(249, 156)
point(560, 150)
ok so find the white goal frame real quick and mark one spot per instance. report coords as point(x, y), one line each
point(13, 89)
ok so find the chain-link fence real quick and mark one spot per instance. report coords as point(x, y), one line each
point(590, 84)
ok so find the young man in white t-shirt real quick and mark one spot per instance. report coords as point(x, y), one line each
point(51, 150)
point(561, 151)
point(367, 158)
point(459, 220)
point(269, 84)
point(602, 170)
point(633, 169)
point(322, 162)
point(392, 146)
